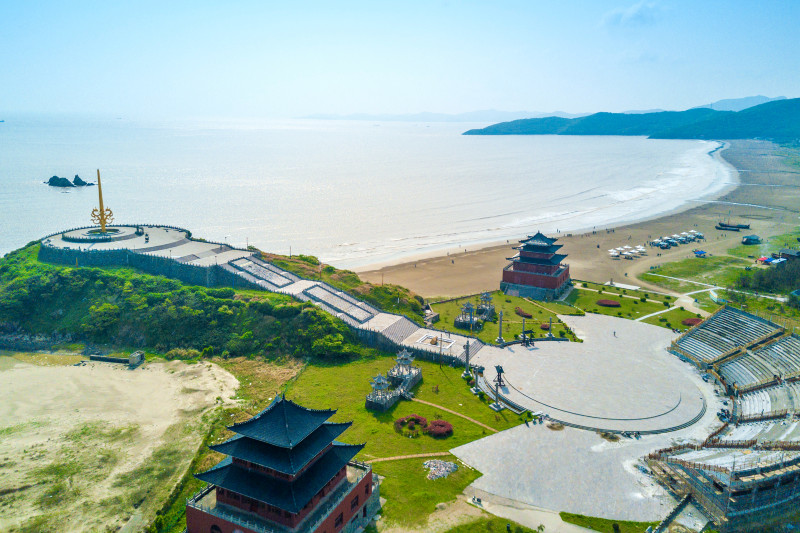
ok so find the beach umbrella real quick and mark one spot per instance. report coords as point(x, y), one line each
point(684, 233)
point(612, 250)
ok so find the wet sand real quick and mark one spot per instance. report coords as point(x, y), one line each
point(767, 185)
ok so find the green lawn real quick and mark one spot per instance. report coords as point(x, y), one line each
point(717, 270)
point(411, 496)
point(604, 525)
point(629, 308)
point(614, 290)
point(492, 525)
point(671, 319)
point(344, 387)
point(512, 323)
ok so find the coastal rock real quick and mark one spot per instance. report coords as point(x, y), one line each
point(55, 181)
point(78, 182)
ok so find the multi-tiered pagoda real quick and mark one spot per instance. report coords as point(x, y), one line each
point(536, 271)
point(285, 473)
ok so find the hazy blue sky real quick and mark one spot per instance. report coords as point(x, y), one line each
point(261, 58)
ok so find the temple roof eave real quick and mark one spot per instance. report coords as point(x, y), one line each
point(290, 496)
point(284, 460)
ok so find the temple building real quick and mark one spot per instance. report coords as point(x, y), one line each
point(285, 473)
point(536, 271)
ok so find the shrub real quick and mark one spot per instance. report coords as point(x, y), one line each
point(666, 304)
point(584, 285)
point(545, 326)
point(522, 313)
point(691, 321)
point(609, 303)
point(412, 421)
point(182, 353)
point(439, 429)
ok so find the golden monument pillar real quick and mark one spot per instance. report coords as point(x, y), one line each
point(103, 215)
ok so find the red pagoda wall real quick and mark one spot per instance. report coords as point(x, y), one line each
point(536, 280)
point(199, 521)
point(363, 491)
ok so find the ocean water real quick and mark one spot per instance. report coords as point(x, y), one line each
point(352, 193)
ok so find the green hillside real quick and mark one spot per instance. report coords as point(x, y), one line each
point(121, 307)
point(777, 120)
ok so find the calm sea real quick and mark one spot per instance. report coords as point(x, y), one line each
point(352, 193)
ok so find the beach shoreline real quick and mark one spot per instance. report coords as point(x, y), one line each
point(720, 191)
point(456, 271)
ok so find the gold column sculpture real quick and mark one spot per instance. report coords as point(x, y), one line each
point(101, 216)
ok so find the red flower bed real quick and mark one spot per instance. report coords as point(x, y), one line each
point(412, 421)
point(439, 429)
point(609, 303)
point(523, 314)
point(691, 321)
point(545, 326)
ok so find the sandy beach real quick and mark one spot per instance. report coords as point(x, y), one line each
point(766, 197)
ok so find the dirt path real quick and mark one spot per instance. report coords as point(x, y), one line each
point(457, 414)
point(413, 456)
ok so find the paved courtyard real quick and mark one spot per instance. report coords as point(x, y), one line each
point(162, 241)
point(575, 470)
point(620, 378)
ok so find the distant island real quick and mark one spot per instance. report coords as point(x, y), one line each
point(55, 181)
point(777, 120)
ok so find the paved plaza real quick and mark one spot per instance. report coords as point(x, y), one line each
point(155, 240)
point(575, 470)
point(621, 378)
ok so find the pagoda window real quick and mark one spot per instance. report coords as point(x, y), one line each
point(339, 520)
point(354, 503)
point(216, 529)
point(366, 489)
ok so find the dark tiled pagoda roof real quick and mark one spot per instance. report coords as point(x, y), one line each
point(554, 260)
point(289, 496)
point(285, 460)
point(539, 239)
point(283, 423)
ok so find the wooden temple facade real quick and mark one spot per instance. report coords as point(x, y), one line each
point(537, 270)
point(285, 473)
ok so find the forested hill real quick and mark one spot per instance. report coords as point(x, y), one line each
point(777, 120)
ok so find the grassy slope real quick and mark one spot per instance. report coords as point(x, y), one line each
point(121, 307)
point(491, 525)
point(411, 496)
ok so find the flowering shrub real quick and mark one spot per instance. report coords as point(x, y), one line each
point(609, 303)
point(691, 321)
point(523, 314)
point(439, 429)
point(410, 422)
point(545, 326)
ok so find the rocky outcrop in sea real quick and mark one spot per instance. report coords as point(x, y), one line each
point(56, 181)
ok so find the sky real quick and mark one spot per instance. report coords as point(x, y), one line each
point(292, 58)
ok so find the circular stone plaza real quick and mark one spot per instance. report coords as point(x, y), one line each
point(620, 379)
